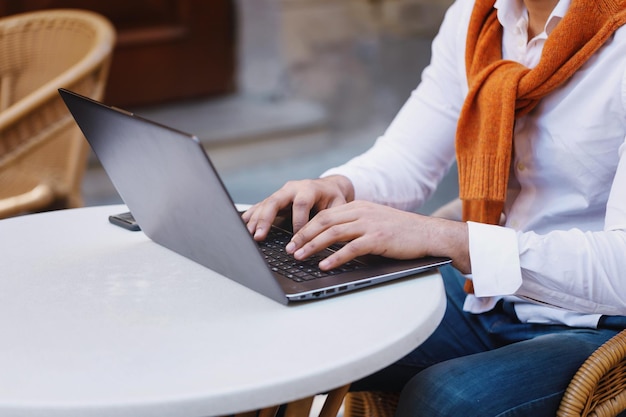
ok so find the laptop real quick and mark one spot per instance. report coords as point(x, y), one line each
point(175, 194)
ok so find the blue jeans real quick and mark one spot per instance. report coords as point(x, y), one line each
point(488, 364)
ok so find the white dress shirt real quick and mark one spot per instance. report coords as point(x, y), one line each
point(561, 253)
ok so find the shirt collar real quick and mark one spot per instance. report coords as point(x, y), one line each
point(557, 14)
point(511, 11)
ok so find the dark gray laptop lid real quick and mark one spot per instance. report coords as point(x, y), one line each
point(171, 187)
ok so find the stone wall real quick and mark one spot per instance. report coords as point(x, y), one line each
point(402, 17)
point(356, 57)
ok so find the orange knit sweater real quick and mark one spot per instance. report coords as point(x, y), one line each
point(501, 90)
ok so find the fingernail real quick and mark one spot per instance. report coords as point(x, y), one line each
point(290, 247)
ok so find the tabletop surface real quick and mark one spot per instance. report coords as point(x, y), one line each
point(96, 320)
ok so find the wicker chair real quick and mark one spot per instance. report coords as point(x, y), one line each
point(370, 404)
point(599, 386)
point(303, 408)
point(42, 153)
point(597, 389)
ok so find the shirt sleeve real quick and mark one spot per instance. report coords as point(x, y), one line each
point(587, 266)
point(405, 165)
point(573, 269)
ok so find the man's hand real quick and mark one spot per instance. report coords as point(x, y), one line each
point(303, 197)
point(369, 228)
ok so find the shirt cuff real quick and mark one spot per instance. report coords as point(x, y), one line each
point(495, 261)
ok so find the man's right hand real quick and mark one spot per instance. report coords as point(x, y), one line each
point(303, 196)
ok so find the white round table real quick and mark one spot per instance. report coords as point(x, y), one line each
point(96, 320)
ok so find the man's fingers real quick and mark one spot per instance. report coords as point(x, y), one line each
point(299, 196)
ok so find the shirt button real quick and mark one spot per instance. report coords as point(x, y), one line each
point(521, 166)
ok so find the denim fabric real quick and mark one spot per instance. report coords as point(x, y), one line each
point(488, 364)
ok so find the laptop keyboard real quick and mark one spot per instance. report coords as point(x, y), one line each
point(273, 248)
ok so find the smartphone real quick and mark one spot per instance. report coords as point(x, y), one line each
point(125, 220)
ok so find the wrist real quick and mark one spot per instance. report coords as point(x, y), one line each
point(451, 239)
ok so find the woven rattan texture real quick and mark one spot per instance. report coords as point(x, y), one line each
point(598, 387)
point(42, 152)
point(370, 404)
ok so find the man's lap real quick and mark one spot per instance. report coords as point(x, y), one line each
point(526, 378)
point(490, 363)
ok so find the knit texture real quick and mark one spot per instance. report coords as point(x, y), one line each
point(502, 90)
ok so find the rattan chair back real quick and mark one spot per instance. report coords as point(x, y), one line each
point(42, 152)
point(598, 388)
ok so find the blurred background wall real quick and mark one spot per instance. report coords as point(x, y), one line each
point(358, 58)
point(275, 89)
point(325, 50)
